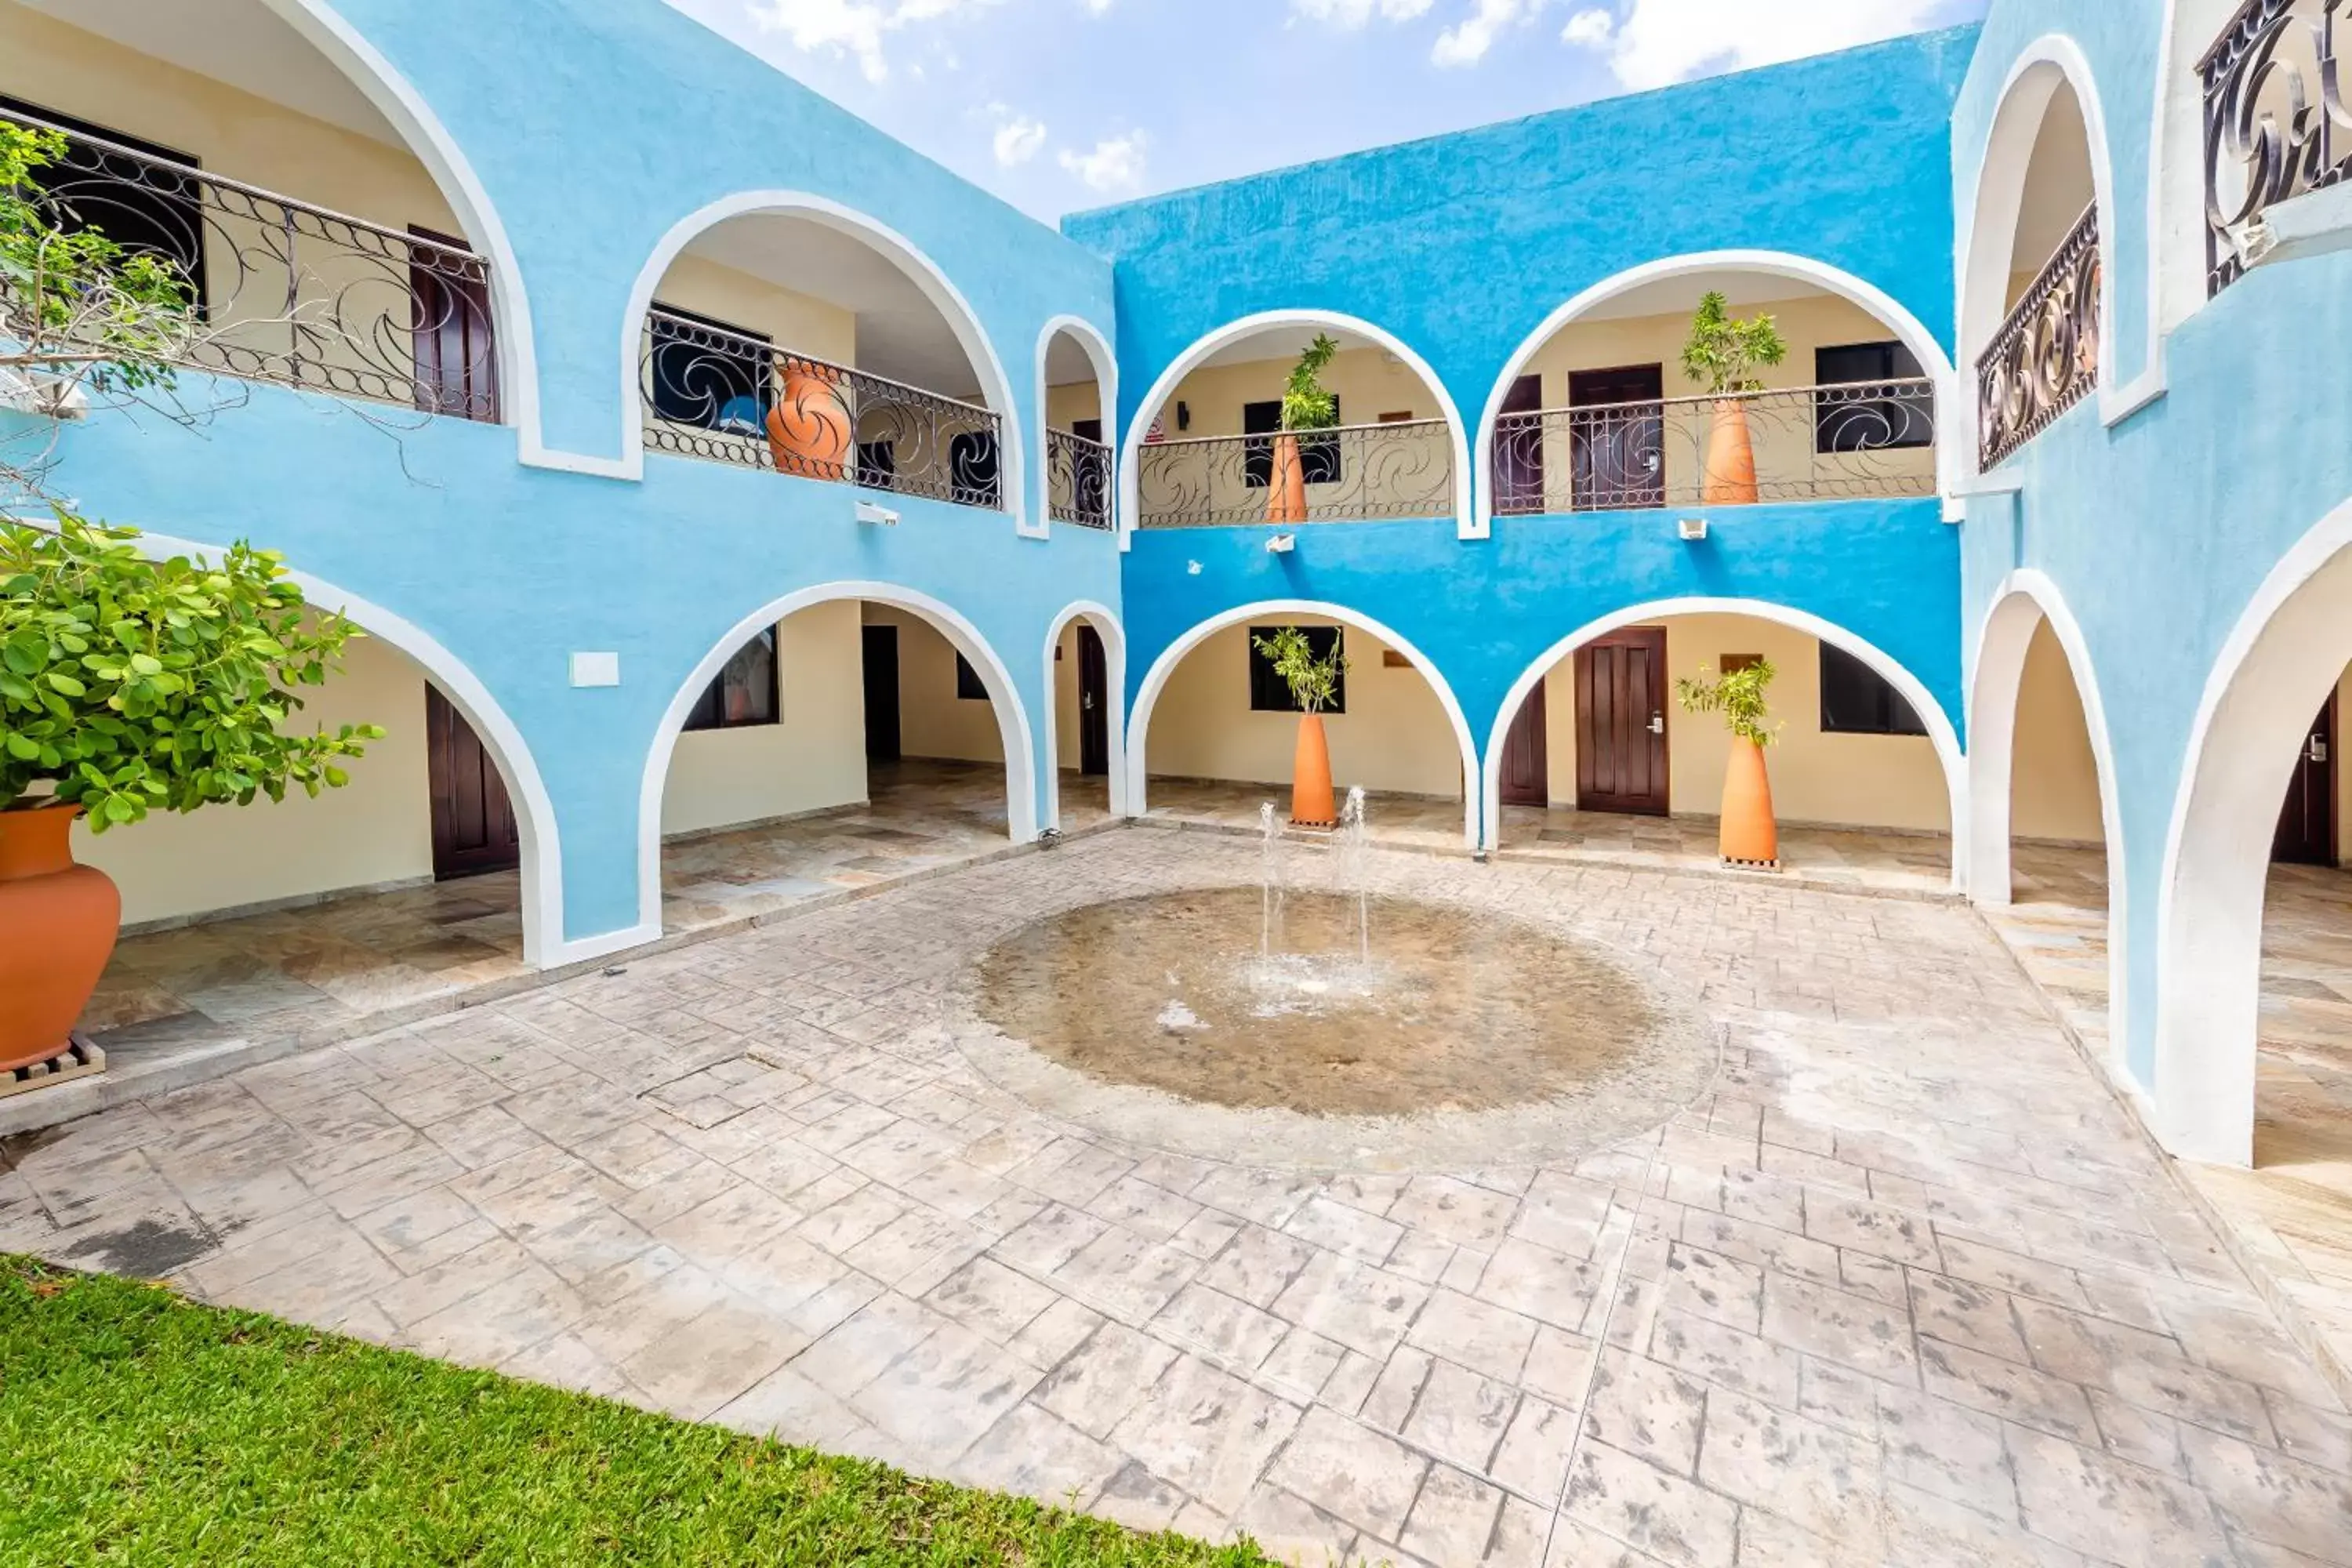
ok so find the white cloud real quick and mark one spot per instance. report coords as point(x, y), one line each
point(1466, 42)
point(1354, 13)
point(1656, 42)
point(1116, 164)
point(857, 27)
point(1018, 140)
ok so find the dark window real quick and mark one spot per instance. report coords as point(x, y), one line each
point(1269, 693)
point(1319, 456)
point(150, 211)
point(1857, 423)
point(716, 379)
point(745, 690)
point(1857, 700)
point(972, 467)
point(969, 688)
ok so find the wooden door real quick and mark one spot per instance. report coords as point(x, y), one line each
point(1618, 448)
point(1621, 722)
point(2306, 828)
point(881, 649)
point(1093, 703)
point(473, 822)
point(1518, 454)
point(456, 366)
point(1527, 764)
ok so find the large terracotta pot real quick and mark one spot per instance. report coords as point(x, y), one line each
point(58, 923)
point(1730, 457)
point(1750, 836)
point(1285, 497)
point(809, 433)
point(1310, 776)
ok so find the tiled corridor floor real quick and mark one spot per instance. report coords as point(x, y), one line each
point(1903, 1287)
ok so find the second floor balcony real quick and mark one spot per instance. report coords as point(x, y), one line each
point(1402, 468)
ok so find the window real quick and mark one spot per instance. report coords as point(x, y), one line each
point(1319, 456)
point(969, 688)
point(150, 211)
point(1269, 693)
point(972, 467)
point(716, 379)
point(745, 693)
point(1857, 700)
point(1854, 422)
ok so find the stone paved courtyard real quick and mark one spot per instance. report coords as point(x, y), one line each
point(1905, 1285)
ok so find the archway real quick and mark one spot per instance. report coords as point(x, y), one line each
point(955, 713)
point(1878, 751)
point(1246, 741)
point(1077, 409)
point(1400, 451)
point(1085, 719)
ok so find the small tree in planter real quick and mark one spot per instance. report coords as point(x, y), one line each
point(1749, 835)
point(1313, 682)
point(1305, 406)
point(1723, 352)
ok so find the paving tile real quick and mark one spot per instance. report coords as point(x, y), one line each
point(2107, 1509)
point(1354, 1473)
point(1206, 1431)
point(1635, 1503)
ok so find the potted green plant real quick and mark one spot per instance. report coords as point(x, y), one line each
point(129, 686)
point(1312, 681)
point(1723, 353)
point(1305, 406)
point(1749, 835)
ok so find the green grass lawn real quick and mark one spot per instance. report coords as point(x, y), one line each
point(139, 1427)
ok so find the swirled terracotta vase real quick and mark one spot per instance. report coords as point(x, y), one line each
point(809, 432)
point(58, 925)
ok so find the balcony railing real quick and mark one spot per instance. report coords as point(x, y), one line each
point(1815, 443)
point(727, 397)
point(288, 292)
point(1351, 473)
point(2276, 123)
point(2045, 357)
point(1077, 479)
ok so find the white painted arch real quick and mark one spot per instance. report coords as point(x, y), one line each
point(1155, 680)
point(996, 387)
point(1940, 732)
point(1097, 352)
point(1105, 622)
point(1003, 696)
point(1914, 334)
point(1182, 365)
point(2287, 648)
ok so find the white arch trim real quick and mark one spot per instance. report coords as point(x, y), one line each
point(1940, 733)
point(2025, 599)
point(1155, 680)
point(996, 387)
point(1129, 497)
point(543, 942)
point(1105, 364)
point(1012, 719)
point(1915, 335)
point(1113, 637)
point(2285, 651)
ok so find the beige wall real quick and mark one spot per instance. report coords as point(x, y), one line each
point(377, 829)
point(1394, 735)
point(1080, 400)
point(933, 721)
point(2054, 777)
point(1368, 383)
point(815, 758)
point(793, 321)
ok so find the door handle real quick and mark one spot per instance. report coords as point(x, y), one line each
point(1088, 702)
point(2318, 749)
point(1657, 723)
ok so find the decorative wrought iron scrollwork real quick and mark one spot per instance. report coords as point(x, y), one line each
point(2045, 357)
point(2276, 123)
point(724, 396)
point(1077, 479)
point(1819, 443)
point(288, 292)
point(1351, 472)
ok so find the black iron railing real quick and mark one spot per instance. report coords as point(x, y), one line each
point(725, 396)
point(288, 292)
point(2276, 123)
point(1348, 473)
point(1816, 443)
point(1077, 479)
point(2045, 357)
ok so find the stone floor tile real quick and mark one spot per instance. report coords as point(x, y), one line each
point(2107, 1509)
point(991, 1300)
point(1712, 1286)
point(1489, 1339)
point(1102, 1378)
point(1257, 1265)
point(1454, 1518)
point(1540, 1284)
point(1352, 1472)
point(1324, 1222)
point(864, 1345)
point(2264, 1496)
point(788, 1407)
point(1944, 1448)
point(1206, 1431)
point(941, 1395)
point(1225, 1327)
point(1460, 1415)
point(1647, 1410)
point(1533, 1459)
point(1634, 1502)
point(1863, 1334)
point(1291, 1530)
point(1455, 1211)
point(703, 1364)
point(1366, 1308)
point(1559, 1366)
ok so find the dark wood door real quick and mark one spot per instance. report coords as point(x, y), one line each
point(1526, 763)
point(1518, 454)
point(1618, 446)
point(2306, 828)
point(881, 648)
point(1093, 703)
point(1621, 722)
point(456, 366)
point(473, 822)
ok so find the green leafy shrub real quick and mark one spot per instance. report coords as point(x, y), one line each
point(1723, 350)
point(1739, 696)
point(1305, 405)
point(1312, 681)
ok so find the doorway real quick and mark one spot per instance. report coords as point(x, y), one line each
point(1621, 722)
point(1618, 443)
point(473, 822)
point(1518, 460)
point(2306, 828)
point(1094, 704)
point(881, 660)
point(456, 367)
point(1526, 763)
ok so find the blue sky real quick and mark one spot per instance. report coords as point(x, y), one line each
point(1060, 104)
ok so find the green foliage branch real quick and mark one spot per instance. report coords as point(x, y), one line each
point(1739, 696)
point(1312, 681)
point(1305, 406)
point(1723, 350)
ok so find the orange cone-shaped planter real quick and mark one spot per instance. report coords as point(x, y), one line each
point(1730, 457)
point(57, 923)
point(1310, 776)
point(1750, 836)
point(809, 432)
point(1286, 500)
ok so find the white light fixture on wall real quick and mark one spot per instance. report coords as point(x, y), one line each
point(595, 669)
point(875, 514)
point(1692, 529)
point(1282, 544)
